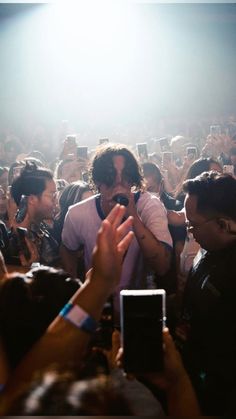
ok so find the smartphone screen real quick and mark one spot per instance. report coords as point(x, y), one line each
point(142, 322)
point(102, 338)
point(22, 232)
point(103, 141)
point(142, 150)
point(164, 144)
point(17, 171)
point(82, 152)
point(215, 130)
point(22, 209)
point(191, 153)
point(71, 139)
point(167, 158)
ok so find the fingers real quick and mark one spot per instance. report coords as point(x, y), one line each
point(115, 342)
point(167, 340)
point(116, 215)
point(113, 220)
point(125, 242)
point(119, 358)
point(171, 352)
point(123, 228)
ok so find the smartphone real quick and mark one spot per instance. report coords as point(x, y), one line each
point(228, 168)
point(167, 158)
point(191, 153)
point(22, 209)
point(22, 233)
point(17, 171)
point(61, 184)
point(215, 130)
point(82, 152)
point(103, 141)
point(143, 316)
point(142, 150)
point(103, 335)
point(71, 139)
point(164, 144)
point(85, 176)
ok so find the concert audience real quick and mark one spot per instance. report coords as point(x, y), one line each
point(66, 354)
point(30, 231)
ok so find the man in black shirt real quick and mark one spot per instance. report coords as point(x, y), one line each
point(208, 327)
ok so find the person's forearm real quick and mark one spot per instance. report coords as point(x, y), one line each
point(63, 344)
point(69, 261)
point(176, 218)
point(157, 255)
point(182, 400)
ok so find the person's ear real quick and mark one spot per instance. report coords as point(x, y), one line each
point(32, 200)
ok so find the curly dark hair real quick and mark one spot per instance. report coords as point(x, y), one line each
point(64, 394)
point(102, 169)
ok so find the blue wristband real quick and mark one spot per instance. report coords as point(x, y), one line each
point(78, 317)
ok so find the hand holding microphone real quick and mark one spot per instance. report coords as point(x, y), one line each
point(121, 199)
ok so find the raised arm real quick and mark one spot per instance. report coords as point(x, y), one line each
point(155, 250)
point(64, 343)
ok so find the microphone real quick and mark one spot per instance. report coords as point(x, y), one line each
point(121, 199)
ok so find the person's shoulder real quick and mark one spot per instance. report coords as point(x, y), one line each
point(147, 196)
point(83, 206)
point(149, 199)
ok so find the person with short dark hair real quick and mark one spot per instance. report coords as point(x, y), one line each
point(207, 332)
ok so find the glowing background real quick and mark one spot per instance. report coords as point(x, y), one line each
point(107, 67)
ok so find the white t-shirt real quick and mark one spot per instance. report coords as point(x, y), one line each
point(83, 221)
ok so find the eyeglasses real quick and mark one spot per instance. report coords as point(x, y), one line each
point(52, 195)
point(190, 227)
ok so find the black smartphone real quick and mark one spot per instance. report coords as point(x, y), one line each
point(103, 141)
point(103, 335)
point(191, 153)
point(82, 152)
point(142, 150)
point(22, 209)
point(167, 158)
point(215, 130)
point(22, 233)
point(71, 139)
point(85, 176)
point(17, 171)
point(164, 144)
point(142, 321)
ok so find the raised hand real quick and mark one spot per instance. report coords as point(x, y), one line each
point(113, 240)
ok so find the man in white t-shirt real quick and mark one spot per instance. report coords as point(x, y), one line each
point(117, 176)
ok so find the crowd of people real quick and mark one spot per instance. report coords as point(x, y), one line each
point(75, 232)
